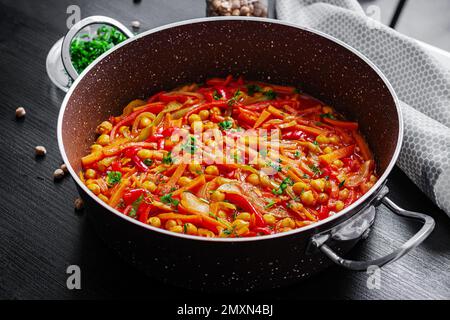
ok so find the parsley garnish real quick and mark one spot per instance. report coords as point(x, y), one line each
point(270, 94)
point(341, 184)
point(297, 154)
point(148, 162)
point(134, 206)
point(190, 146)
point(167, 159)
point(283, 185)
point(226, 125)
point(275, 166)
point(270, 204)
point(327, 115)
point(316, 170)
point(252, 88)
point(169, 200)
point(217, 95)
point(84, 49)
point(114, 177)
point(233, 100)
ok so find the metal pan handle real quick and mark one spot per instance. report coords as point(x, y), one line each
point(65, 48)
point(419, 237)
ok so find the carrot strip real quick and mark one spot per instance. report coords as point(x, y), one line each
point(276, 112)
point(262, 117)
point(118, 193)
point(199, 181)
point(337, 154)
point(192, 218)
point(175, 177)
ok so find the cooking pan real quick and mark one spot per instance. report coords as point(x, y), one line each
point(258, 49)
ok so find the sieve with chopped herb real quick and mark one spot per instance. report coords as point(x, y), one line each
point(84, 48)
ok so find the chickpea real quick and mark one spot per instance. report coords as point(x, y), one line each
point(265, 181)
point(373, 179)
point(217, 196)
point(104, 127)
point(90, 174)
point(334, 139)
point(244, 216)
point(144, 122)
point(94, 188)
point(103, 139)
point(184, 181)
point(209, 125)
point(323, 197)
point(322, 139)
point(327, 150)
point(193, 118)
point(170, 224)
point(222, 214)
point(299, 187)
point(239, 223)
point(343, 194)
point(154, 221)
point(189, 228)
point(124, 129)
point(212, 170)
point(288, 222)
point(204, 115)
point(195, 168)
point(197, 126)
point(339, 205)
point(144, 154)
point(253, 179)
point(307, 198)
point(96, 147)
point(177, 229)
point(269, 219)
point(242, 231)
point(338, 163)
point(149, 185)
point(216, 111)
point(103, 198)
point(205, 233)
point(318, 184)
point(327, 109)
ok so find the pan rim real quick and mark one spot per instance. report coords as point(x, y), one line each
point(315, 225)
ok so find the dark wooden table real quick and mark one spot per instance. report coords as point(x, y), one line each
point(41, 235)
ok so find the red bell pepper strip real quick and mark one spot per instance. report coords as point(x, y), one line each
point(155, 107)
point(132, 195)
point(263, 230)
point(141, 166)
point(243, 202)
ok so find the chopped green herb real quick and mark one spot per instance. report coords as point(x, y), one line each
point(297, 90)
point(297, 154)
point(270, 204)
point(114, 177)
point(315, 143)
point(341, 184)
point(190, 145)
point(217, 95)
point(167, 158)
point(327, 115)
point(315, 169)
point(283, 185)
point(233, 100)
point(148, 162)
point(185, 228)
point(84, 50)
point(226, 125)
point(135, 206)
point(275, 166)
point(169, 200)
point(252, 89)
point(270, 94)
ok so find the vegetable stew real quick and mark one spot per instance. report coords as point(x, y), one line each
point(229, 158)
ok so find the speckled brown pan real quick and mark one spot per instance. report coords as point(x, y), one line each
point(258, 49)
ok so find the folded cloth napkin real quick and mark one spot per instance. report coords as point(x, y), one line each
point(420, 81)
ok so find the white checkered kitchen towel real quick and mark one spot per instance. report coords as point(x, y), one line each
point(421, 83)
